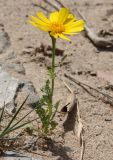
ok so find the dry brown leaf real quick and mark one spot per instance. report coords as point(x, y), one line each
point(80, 130)
point(70, 103)
point(72, 113)
point(80, 124)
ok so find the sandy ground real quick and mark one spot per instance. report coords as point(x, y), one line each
point(84, 62)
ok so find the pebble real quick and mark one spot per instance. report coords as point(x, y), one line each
point(10, 87)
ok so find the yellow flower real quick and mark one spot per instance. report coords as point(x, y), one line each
point(59, 23)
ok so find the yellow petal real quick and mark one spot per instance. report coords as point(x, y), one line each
point(43, 17)
point(37, 21)
point(64, 37)
point(69, 33)
point(55, 35)
point(70, 19)
point(78, 23)
point(54, 17)
point(74, 30)
point(63, 14)
point(33, 23)
point(59, 23)
point(44, 28)
point(71, 16)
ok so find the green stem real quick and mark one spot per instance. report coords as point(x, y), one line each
point(53, 65)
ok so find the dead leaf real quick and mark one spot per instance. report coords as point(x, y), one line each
point(80, 130)
point(70, 103)
point(70, 113)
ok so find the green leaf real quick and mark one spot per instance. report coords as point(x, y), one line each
point(53, 125)
point(56, 108)
point(15, 115)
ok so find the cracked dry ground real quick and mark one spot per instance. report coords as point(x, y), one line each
point(22, 58)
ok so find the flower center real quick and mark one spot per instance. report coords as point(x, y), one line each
point(57, 28)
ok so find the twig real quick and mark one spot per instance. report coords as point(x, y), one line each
point(82, 149)
point(51, 4)
point(60, 3)
point(80, 132)
point(100, 42)
point(42, 7)
point(67, 86)
point(81, 84)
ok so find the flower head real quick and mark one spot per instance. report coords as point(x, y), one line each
point(59, 24)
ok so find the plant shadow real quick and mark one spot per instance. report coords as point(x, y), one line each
point(57, 149)
point(70, 122)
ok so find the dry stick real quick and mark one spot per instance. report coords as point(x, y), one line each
point(80, 132)
point(83, 149)
point(80, 124)
point(71, 100)
point(59, 2)
point(95, 39)
point(83, 84)
point(42, 7)
point(51, 4)
point(67, 86)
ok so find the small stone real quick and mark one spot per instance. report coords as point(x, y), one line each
point(27, 88)
point(8, 88)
